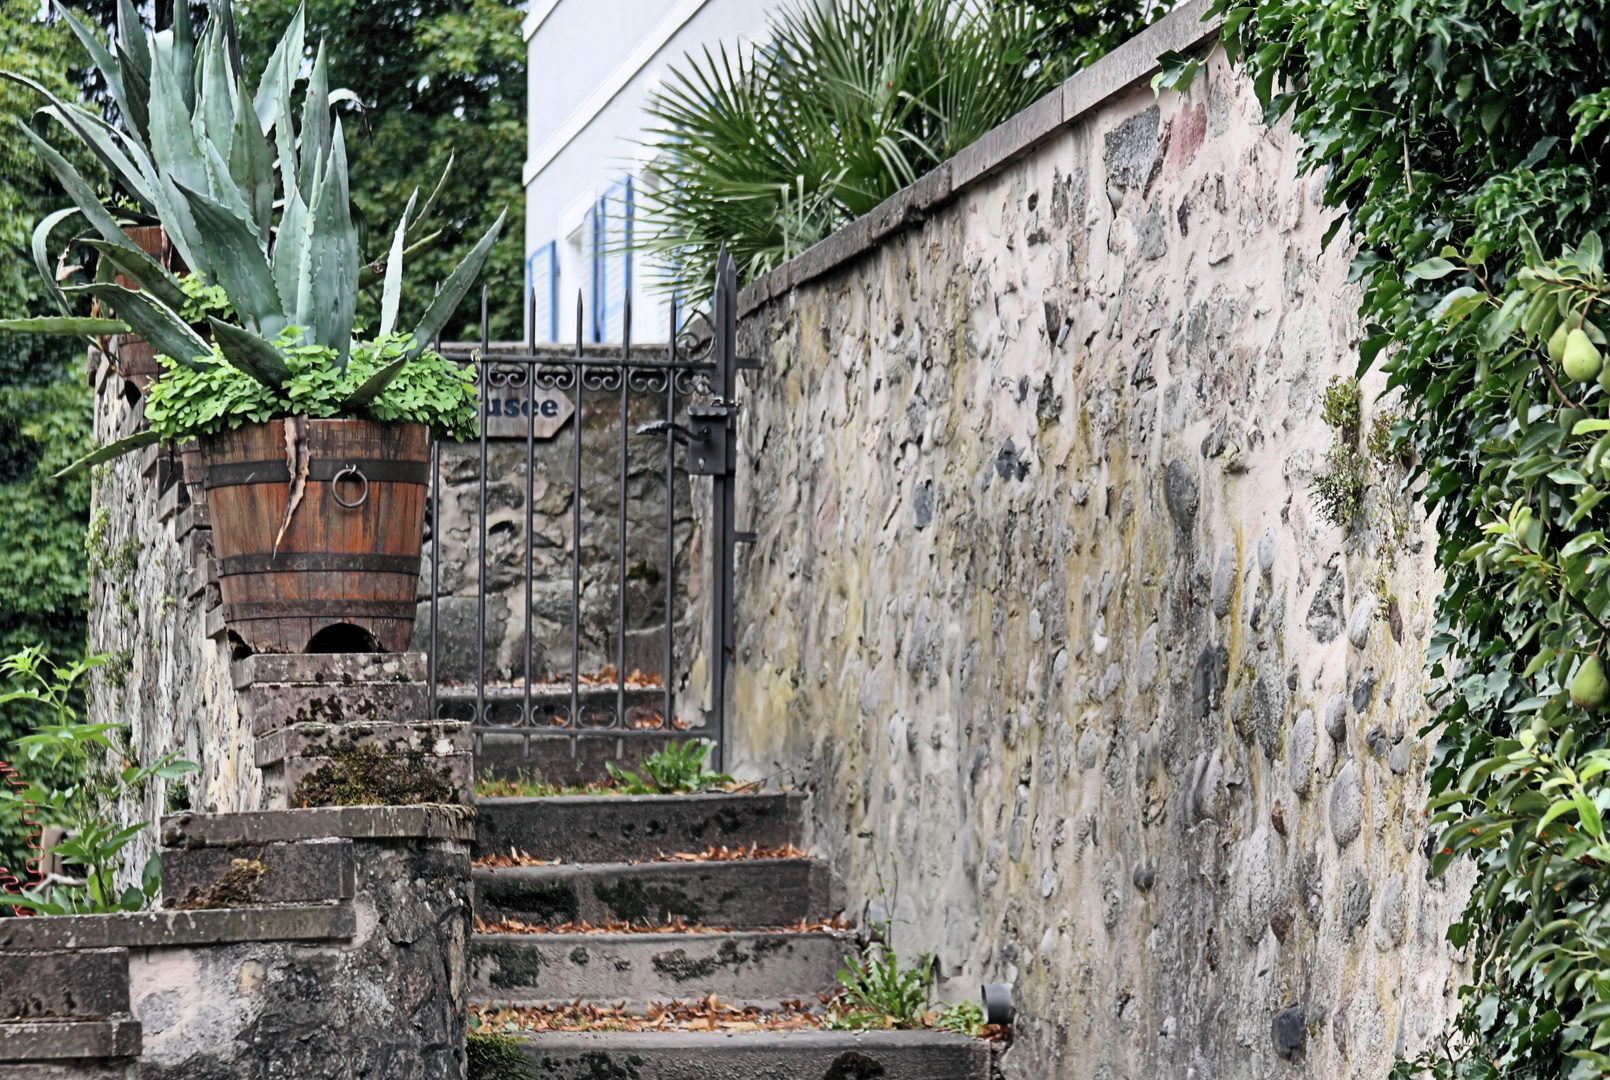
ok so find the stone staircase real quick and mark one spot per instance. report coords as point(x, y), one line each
point(741, 930)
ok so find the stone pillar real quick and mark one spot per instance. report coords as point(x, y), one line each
point(318, 944)
point(350, 728)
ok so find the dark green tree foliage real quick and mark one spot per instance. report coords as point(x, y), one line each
point(1075, 33)
point(437, 78)
point(1463, 139)
point(44, 403)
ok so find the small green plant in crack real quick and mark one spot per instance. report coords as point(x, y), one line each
point(677, 769)
point(875, 992)
point(964, 1018)
point(1339, 488)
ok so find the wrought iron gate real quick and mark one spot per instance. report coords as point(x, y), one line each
point(530, 394)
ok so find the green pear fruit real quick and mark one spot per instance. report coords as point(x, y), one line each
point(1557, 342)
point(1581, 361)
point(1589, 688)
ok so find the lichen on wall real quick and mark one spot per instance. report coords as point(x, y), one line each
point(166, 681)
point(1088, 693)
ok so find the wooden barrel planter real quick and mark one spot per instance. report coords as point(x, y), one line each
point(345, 576)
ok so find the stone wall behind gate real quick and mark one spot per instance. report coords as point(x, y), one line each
point(1090, 696)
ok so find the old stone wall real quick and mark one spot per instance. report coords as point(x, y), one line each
point(167, 680)
point(1090, 696)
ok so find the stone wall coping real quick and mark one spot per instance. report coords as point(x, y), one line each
point(66, 1040)
point(328, 669)
point(430, 822)
point(1129, 64)
point(642, 800)
point(169, 929)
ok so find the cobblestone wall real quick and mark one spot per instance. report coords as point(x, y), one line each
point(1089, 694)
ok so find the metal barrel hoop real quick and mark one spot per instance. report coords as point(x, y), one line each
point(335, 486)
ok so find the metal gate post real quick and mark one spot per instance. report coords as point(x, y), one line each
point(723, 538)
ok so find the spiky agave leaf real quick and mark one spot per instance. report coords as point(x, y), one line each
point(109, 451)
point(328, 287)
point(104, 62)
point(216, 106)
point(391, 295)
point(251, 165)
point(97, 135)
point(65, 326)
point(279, 73)
point(153, 320)
point(373, 386)
point(238, 263)
point(250, 353)
point(290, 249)
point(136, 264)
point(82, 194)
point(134, 55)
point(453, 289)
point(41, 252)
point(315, 121)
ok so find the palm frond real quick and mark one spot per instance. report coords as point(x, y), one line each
point(770, 148)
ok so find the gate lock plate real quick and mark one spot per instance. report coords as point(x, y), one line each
point(708, 437)
point(710, 440)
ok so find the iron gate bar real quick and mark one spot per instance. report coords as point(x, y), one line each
point(670, 521)
point(480, 579)
point(530, 509)
point(620, 627)
point(575, 542)
point(586, 369)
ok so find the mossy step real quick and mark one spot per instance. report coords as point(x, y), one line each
point(719, 1055)
point(621, 828)
point(744, 894)
point(760, 968)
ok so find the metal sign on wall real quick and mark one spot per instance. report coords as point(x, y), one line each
point(505, 413)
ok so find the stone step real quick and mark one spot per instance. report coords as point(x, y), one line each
point(755, 968)
point(742, 894)
point(563, 758)
point(761, 1055)
point(620, 828)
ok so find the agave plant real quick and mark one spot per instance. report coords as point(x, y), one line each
point(256, 207)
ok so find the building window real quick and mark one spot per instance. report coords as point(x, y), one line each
point(542, 277)
point(609, 233)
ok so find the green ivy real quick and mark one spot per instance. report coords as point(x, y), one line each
point(1464, 141)
point(216, 396)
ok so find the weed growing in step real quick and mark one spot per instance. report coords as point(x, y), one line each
point(677, 769)
point(875, 993)
point(494, 1056)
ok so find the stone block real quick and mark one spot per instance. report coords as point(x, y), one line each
point(295, 872)
point(621, 828)
point(457, 771)
point(440, 739)
point(69, 1041)
point(173, 929)
point(318, 823)
point(277, 705)
point(699, 1055)
point(747, 968)
point(323, 669)
point(743, 895)
point(562, 758)
point(91, 984)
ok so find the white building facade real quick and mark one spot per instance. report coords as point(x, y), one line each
point(591, 65)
